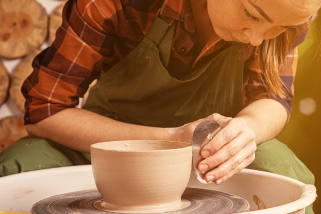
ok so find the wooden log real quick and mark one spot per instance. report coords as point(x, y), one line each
point(55, 21)
point(11, 129)
point(20, 73)
point(4, 83)
point(23, 27)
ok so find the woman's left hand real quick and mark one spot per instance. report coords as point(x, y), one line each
point(231, 150)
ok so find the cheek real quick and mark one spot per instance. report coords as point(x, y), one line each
point(229, 20)
point(225, 20)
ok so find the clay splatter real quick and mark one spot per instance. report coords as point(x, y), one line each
point(260, 204)
point(210, 136)
point(21, 193)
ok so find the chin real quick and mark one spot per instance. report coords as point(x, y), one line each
point(223, 34)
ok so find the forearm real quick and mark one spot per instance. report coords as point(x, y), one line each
point(79, 128)
point(265, 117)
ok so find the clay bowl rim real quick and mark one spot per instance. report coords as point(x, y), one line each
point(184, 146)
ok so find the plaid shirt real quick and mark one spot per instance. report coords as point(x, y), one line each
point(96, 34)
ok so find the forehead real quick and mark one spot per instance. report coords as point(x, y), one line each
point(296, 11)
point(303, 7)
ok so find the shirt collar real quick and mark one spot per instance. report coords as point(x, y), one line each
point(180, 10)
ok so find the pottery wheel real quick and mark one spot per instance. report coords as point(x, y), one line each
point(201, 201)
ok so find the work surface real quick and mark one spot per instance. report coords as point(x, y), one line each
point(260, 189)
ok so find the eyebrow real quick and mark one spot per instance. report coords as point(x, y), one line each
point(261, 12)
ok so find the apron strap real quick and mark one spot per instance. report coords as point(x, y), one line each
point(165, 47)
point(161, 33)
point(159, 28)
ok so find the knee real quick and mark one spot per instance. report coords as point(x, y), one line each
point(9, 158)
point(27, 146)
point(18, 149)
point(274, 156)
point(308, 177)
point(293, 167)
point(24, 155)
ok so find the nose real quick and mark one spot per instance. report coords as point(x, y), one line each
point(255, 37)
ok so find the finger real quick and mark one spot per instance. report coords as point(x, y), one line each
point(232, 163)
point(239, 168)
point(222, 123)
point(234, 127)
point(208, 139)
point(224, 136)
point(225, 153)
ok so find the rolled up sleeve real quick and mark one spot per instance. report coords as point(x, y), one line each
point(62, 73)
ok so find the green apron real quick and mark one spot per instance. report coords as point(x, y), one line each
point(140, 90)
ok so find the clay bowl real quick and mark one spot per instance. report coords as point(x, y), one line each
point(141, 175)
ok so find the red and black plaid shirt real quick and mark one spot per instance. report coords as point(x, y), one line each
point(96, 34)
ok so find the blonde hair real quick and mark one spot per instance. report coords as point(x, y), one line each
point(271, 54)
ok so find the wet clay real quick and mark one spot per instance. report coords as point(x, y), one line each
point(199, 201)
point(141, 176)
point(98, 205)
point(260, 204)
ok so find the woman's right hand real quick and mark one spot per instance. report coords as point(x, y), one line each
point(231, 149)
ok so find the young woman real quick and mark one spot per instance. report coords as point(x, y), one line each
point(163, 67)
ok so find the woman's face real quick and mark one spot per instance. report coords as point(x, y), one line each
point(252, 21)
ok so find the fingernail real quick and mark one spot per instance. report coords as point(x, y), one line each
point(210, 178)
point(203, 167)
point(218, 181)
point(205, 154)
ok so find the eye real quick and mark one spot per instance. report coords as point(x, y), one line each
point(246, 12)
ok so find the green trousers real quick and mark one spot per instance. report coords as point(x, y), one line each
point(34, 154)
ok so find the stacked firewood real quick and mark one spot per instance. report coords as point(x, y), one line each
point(25, 27)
